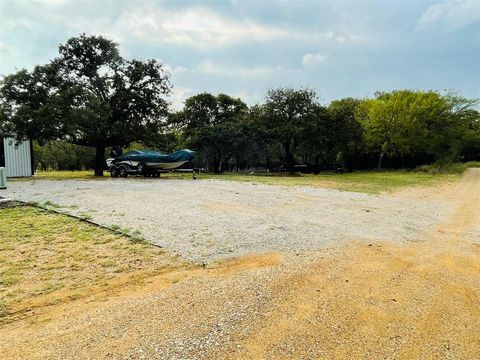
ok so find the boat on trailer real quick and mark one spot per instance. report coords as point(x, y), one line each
point(147, 162)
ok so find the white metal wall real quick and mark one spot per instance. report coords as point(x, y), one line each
point(18, 160)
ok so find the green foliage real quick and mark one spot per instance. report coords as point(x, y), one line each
point(213, 126)
point(415, 123)
point(61, 155)
point(344, 133)
point(88, 96)
point(91, 97)
point(288, 115)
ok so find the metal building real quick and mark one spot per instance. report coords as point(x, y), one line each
point(16, 158)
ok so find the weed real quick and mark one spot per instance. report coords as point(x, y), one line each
point(85, 215)
point(51, 204)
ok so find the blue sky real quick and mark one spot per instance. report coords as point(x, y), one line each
point(242, 48)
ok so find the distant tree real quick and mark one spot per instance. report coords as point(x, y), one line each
point(470, 147)
point(251, 145)
point(344, 132)
point(314, 135)
point(286, 114)
point(87, 96)
point(212, 125)
point(406, 122)
point(61, 155)
point(459, 140)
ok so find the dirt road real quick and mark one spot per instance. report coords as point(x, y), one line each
point(378, 300)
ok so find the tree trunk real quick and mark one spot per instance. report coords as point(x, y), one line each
point(216, 164)
point(289, 159)
point(379, 167)
point(99, 159)
point(316, 166)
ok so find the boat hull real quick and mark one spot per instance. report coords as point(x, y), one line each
point(135, 160)
point(165, 166)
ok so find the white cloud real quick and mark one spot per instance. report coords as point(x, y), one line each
point(180, 69)
point(249, 97)
point(197, 27)
point(210, 68)
point(314, 59)
point(154, 22)
point(451, 13)
point(179, 95)
point(201, 27)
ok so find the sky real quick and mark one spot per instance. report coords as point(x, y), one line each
point(243, 48)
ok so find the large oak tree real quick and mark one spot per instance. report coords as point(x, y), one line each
point(89, 95)
point(290, 115)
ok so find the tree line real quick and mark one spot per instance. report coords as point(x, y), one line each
point(403, 128)
point(90, 98)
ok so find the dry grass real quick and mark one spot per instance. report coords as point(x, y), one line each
point(360, 181)
point(47, 259)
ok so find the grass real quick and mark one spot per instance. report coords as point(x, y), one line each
point(51, 204)
point(361, 181)
point(450, 168)
point(65, 175)
point(366, 181)
point(47, 259)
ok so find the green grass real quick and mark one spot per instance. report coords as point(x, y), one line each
point(361, 181)
point(46, 258)
point(51, 204)
point(366, 181)
point(65, 175)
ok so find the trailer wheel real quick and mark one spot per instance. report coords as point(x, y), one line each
point(141, 168)
point(122, 171)
point(113, 171)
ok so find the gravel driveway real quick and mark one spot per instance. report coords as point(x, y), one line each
point(208, 220)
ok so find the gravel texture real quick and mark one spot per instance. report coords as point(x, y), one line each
point(208, 220)
point(382, 299)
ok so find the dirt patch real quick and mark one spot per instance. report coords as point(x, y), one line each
point(230, 266)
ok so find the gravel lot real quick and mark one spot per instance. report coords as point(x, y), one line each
point(393, 299)
point(209, 220)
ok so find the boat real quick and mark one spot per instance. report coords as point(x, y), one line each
point(147, 162)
